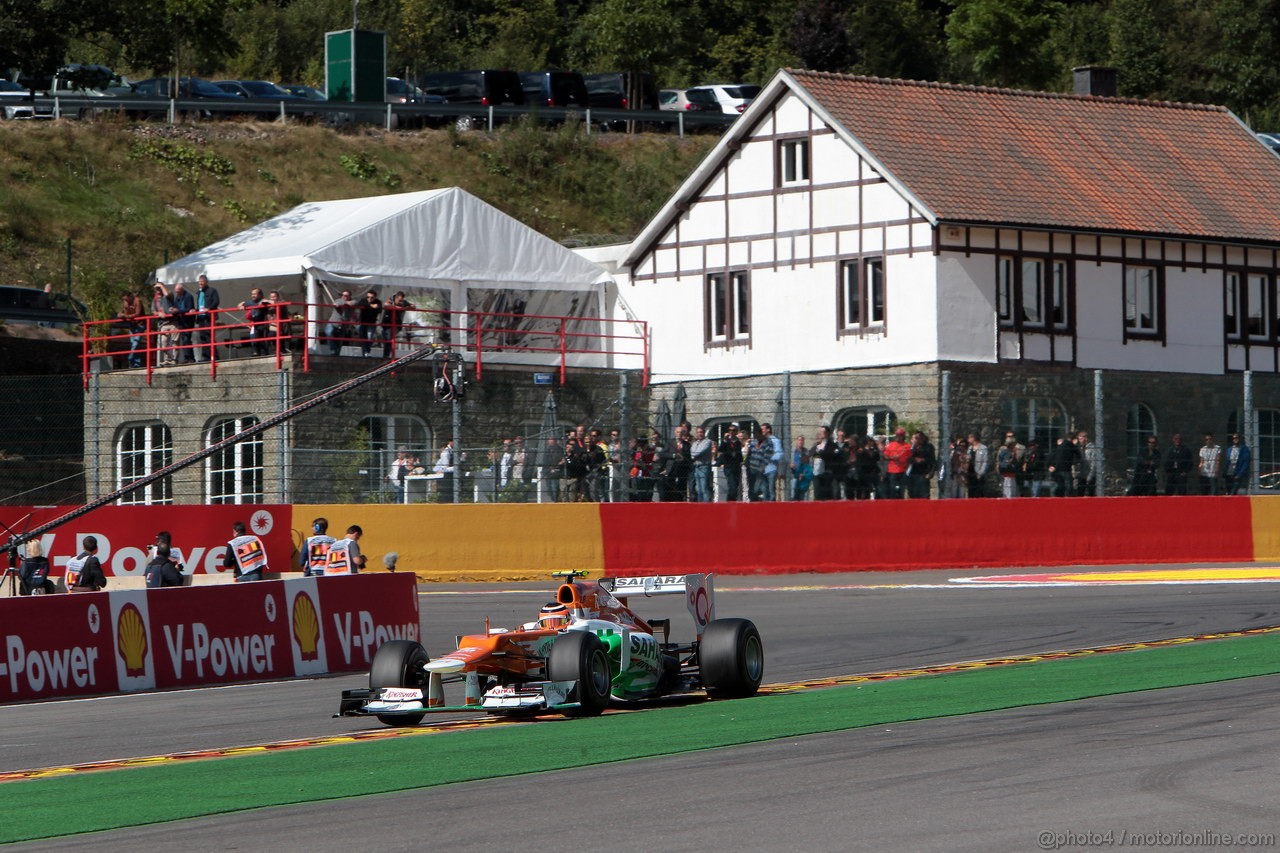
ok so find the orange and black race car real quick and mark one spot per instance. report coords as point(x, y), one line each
point(585, 649)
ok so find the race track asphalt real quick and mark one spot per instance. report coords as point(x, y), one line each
point(1183, 760)
point(984, 782)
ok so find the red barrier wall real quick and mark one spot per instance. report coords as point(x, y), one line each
point(123, 533)
point(63, 647)
point(95, 643)
point(864, 535)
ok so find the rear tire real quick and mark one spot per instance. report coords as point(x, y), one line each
point(731, 658)
point(581, 657)
point(399, 663)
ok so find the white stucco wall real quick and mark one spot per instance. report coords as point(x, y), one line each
point(1193, 318)
point(966, 329)
point(938, 307)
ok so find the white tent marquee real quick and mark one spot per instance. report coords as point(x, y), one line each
point(446, 249)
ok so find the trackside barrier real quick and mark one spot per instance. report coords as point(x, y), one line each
point(123, 532)
point(449, 542)
point(126, 641)
point(841, 536)
point(528, 541)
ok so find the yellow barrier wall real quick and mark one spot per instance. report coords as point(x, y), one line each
point(485, 542)
point(1266, 528)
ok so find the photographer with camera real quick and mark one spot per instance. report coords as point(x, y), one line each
point(33, 574)
point(159, 554)
point(163, 571)
point(344, 556)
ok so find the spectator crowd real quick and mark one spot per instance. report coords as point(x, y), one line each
point(182, 326)
point(752, 465)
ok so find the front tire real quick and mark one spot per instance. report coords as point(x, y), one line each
point(399, 663)
point(731, 658)
point(581, 657)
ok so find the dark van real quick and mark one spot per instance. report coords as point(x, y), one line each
point(621, 90)
point(483, 88)
point(554, 89)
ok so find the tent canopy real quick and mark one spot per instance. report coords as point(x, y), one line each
point(425, 239)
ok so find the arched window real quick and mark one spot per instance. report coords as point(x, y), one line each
point(1042, 419)
point(716, 428)
point(1139, 426)
point(389, 434)
point(234, 474)
point(865, 420)
point(143, 449)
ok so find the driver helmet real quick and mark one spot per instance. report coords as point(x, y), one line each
point(553, 615)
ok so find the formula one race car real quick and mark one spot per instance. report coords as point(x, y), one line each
point(585, 649)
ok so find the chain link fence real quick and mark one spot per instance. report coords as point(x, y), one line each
point(64, 444)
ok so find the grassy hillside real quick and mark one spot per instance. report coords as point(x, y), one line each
point(130, 196)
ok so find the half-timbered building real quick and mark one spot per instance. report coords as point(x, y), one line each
point(967, 257)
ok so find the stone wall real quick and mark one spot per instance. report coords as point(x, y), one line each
point(313, 457)
point(979, 398)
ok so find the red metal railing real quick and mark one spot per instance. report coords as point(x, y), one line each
point(152, 343)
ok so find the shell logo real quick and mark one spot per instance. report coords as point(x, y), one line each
point(306, 627)
point(131, 641)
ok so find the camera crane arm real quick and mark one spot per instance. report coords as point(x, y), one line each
point(426, 351)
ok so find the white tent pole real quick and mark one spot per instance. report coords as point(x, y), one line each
point(314, 332)
point(458, 318)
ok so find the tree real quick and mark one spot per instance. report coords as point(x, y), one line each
point(1000, 41)
point(1239, 63)
point(819, 35)
point(897, 38)
point(633, 35)
point(35, 34)
point(177, 36)
point(1079, 37)
point(1138, 30)
point(436, 34)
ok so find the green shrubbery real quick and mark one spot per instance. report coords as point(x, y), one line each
point(132, 197)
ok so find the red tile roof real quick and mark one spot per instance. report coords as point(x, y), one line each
point(1029, 158)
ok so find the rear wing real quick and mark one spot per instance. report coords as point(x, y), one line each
point(698, 590)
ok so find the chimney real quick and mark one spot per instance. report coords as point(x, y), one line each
point(1095, 80)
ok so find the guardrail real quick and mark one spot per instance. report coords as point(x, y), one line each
point(390, 116)
point(283, 328)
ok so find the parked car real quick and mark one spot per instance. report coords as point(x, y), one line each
point(1271, 140)
point(620, 90)
point(309, 92)
point(70, 81)
point(85, 80)
point(184, 89)
point(260, 89)
point(554, 89)
point(482, 88)
point(16, 103)
point(732, 97)
point(402, 92)
point(692, 100)
point(29, 305)
point(617, 90)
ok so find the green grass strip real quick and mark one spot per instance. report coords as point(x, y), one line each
point(131, 797)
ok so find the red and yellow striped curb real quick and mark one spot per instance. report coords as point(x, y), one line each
point(480, 722)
